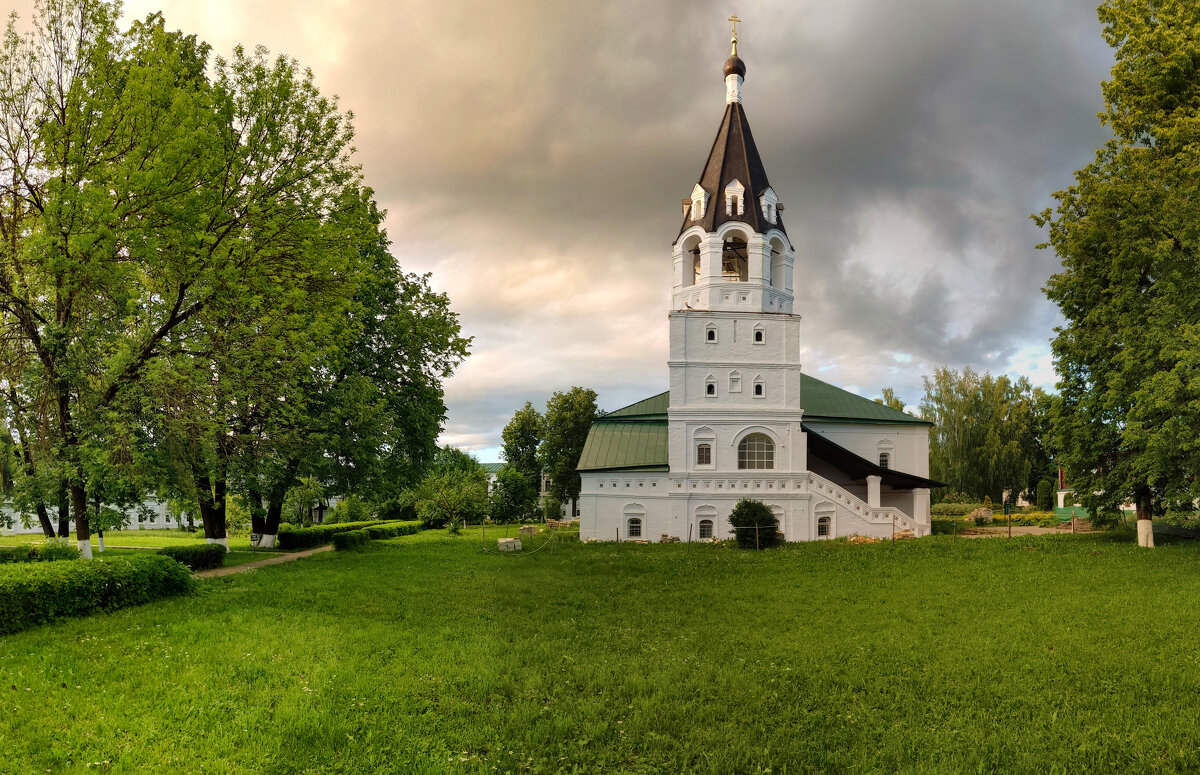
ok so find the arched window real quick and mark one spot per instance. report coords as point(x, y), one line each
point(885, 460)
point(710, 388)
point(758, 389)
point(633, 528)
point(734, 264)
point(758, 337)
point(823, 524)
point(706, 528)
point(710, 332)
point(756, 451)
point(703, 454)
point(696, 265)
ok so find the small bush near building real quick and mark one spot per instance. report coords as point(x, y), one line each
point(197, 556)
point(36, 593)
point(38, 553)
point(755, 526)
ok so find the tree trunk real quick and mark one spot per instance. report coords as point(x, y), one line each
point(30, 466)
point(212, 516)
point(274, 516)
point(1145, 512)
point(83, 533)
point(64, 514)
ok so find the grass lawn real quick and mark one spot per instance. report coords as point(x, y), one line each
point(424, 654)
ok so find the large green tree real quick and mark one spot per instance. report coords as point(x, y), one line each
point(1127, 427)
point(983, 438)
point(521, 438)
point(568, 418)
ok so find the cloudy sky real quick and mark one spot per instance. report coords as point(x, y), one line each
point(532, 156)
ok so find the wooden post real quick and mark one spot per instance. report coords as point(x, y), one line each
point(757, 545)
point(1009, 522)
point(689, 532)
point(954, 530)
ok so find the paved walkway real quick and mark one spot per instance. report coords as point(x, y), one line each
point(276, 560)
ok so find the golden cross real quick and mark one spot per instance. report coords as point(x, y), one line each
point(735, 21)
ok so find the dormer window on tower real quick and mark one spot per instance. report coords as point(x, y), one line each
point(735, 198)
point(699, 202)
point(769, 203)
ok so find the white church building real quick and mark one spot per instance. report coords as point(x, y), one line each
point(741, 419)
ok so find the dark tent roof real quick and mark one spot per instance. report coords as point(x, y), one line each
point(734, 157)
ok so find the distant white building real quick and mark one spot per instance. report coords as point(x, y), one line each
point(740, 418)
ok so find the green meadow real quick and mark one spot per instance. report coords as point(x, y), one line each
point(427, 654)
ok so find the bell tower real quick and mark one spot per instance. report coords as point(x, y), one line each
point(735, 341)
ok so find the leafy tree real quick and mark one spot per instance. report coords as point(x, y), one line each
point(449, 458)
point(755, 526)
point(513, 497)
point(301, 500)
point(450, 497)
point(147, 193)
point(983, 435)
point(1127, 428)
point(568, 419)
point(521, 437)
point(890, 400)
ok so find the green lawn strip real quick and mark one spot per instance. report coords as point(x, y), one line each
point(427, 654)
point(142, 538)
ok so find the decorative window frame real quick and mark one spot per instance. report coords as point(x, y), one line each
point(735, 381)
point(886, 447)
point(760, 334)
point(710, 386)
point(760, 386)
point(711, 334)
point(735, 192)
point(699, 202)
point(769, 203)
point(704, 436)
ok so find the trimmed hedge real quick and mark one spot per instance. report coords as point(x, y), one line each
point(197, 556)
point(319, 535)
point(36, 593)
point(38, 553)
point(358, 538)
point(955, 509)
point(353, 539)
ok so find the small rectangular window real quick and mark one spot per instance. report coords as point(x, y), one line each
point(704, 455)
point(758, 336)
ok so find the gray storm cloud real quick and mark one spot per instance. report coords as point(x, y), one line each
point(532, 156)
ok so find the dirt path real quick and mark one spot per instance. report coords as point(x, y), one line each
point(1021, 530)
point(276, 560)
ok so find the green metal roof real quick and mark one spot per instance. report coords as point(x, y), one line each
point(654, 406)
point(822, 401)
point(640, 445)
point(492, 468)
point(634, 437)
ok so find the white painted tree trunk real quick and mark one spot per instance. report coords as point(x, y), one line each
point(85, 549)
point(100, 538)
point(1145, 533)
point(266, 541)
point(222, 541)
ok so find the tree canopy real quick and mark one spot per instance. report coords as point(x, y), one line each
point(1127, 428)
point(568, 419)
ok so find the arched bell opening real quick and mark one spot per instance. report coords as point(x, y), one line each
point(735, 264)
point(691, 260)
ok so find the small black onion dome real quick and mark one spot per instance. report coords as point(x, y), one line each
point(735, 65)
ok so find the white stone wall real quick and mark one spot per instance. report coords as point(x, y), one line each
point(907, 445)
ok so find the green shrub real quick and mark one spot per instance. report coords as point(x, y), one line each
point(36, 593)
point(308, 537)
point(946, 526)
point(954, 509)
point(755, 526)
point(1045, 495)
point(48, 552)
point(197, 556)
